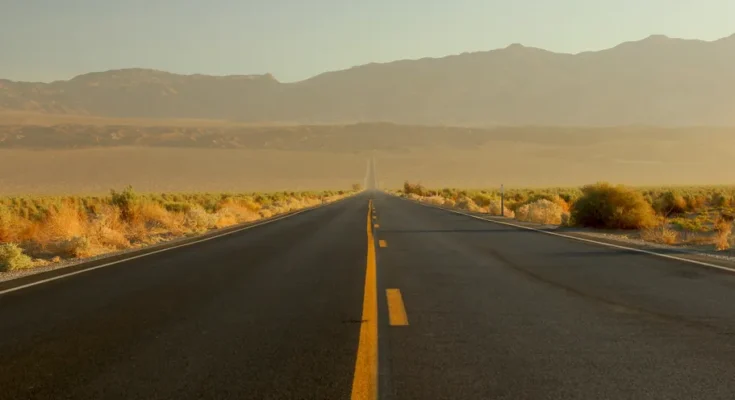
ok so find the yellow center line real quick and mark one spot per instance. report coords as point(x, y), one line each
point(383, 243)
point(396, 309)
point(377, 225)
point(365, 380)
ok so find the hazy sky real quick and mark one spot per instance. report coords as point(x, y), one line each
point(44, 40)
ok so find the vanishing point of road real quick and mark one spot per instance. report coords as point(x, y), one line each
point(375, 297)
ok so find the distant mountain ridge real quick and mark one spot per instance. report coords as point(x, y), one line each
point(654, 81)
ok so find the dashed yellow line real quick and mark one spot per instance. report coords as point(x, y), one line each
point(396, 310)
point(383, 243)
point(365, 380)
point(377, 225)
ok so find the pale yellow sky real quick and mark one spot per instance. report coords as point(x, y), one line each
point(46, 40)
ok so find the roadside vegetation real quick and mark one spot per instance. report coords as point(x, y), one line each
point(39, 230)
point(696, 215)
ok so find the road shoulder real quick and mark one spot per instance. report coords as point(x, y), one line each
point(713, 261)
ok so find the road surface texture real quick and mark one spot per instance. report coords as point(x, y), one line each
point(268, 313)
point(502, 313)
point(477, 311)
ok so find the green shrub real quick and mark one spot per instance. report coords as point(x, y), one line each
point(691, 225)
point(12, 258)
point(535, 197)
point(125, 200)
point(720, 199)
point(466, 203)
point(518, 197)
point(483, 199)
point(177, 207)
point(570, 196)
point(670, 203)
point(695, 202)
point(415, 188)
point(447, 193)
point(209, 205)
point(616, 207)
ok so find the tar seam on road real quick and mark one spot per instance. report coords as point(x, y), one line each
point(615, 246)
point(383, 243)
point(396, 309)
point(2, 292)
point(365, 380)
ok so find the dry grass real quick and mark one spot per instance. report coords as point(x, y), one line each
point(9, 225)
point(694, 239)
point(232, 212)
point(494, 209)
point(466, 203)
point(541, 211)
point(437, 200)
point(723, 232)
point(63, 222)
point(51, 229)
point(660, 234)
point(477, 203)
point(683, 215)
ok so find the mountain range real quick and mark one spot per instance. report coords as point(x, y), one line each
point(655, 81)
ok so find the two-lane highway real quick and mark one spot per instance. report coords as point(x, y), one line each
point(416, 303)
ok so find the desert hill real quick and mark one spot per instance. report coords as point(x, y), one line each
point(654, 81)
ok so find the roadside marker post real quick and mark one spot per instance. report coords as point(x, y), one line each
point(502, 201)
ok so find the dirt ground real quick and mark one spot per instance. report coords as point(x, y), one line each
point(335, 157)
point(90, 171)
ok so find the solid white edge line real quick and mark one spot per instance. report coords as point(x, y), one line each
point(14, 289)
point(653, 253)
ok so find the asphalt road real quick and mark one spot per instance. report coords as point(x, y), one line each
point(275, 312)
point(267, 313)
